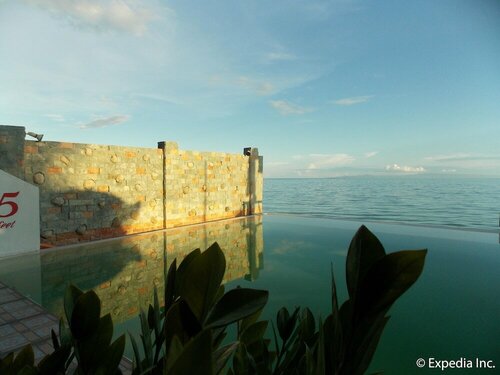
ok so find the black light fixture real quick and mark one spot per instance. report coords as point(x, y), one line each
point(35, 135)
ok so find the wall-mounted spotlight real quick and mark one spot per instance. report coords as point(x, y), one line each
point(35, 135)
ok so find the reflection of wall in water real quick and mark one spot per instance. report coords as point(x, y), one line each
point(123, 273)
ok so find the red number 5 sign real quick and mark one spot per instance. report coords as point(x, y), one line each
point(5, 202)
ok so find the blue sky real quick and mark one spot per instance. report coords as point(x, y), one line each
point(322, 88)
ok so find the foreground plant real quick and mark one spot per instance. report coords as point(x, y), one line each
point(82, 347)
point(346, 340)
point(186, 335)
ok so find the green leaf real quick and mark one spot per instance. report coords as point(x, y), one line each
point(249, 320)
point(89, 356)
point(335, 335)
point(388, 279)
point(201, 279)
point(137, 356)
point(180, 321)
point(28, 370)
point(174, 352)
point(146, 339)
point(254, 333)
point(365, 344)
point(235, 305)
point(54, 362)
point(187, 259)
point(222, 356)
point(85, 316)
point(170, 284)
point(71, 295)
point(181, 270)
point(307, 325)
point(365, 249)
point(24, 358)
point(113, 356)
point(320, 351)
point(64, 333)
point(196, 357)
point(55, 340)
point(286, 323)
point(282, 319)
point(241, 361)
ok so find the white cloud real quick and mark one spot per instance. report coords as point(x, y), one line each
point(279, 56)
point(119, 15)
point(448, 170)
point(462, 157)
point(371, 154)
point(55, 117)
point(321, 161)
point(155, 97)
point(404, 168)
point(286, 108)
point(258, 86)
point(105, 121)
point(353, 100)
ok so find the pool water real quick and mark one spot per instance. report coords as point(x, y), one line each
point(452, 311)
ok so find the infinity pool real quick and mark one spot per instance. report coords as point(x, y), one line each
point(452, 311)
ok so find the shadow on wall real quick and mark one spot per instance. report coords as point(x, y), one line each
point(73, 216)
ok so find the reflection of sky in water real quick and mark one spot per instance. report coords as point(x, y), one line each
point(451, 312)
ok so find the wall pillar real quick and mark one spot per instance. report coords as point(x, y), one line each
point(255, 180)
point(12, 150)
point(169, 149)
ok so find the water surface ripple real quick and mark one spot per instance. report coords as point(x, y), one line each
point(437, 201)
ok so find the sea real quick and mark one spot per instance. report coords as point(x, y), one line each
point(440, 201)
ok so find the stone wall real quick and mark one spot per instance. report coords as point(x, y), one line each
point(90, 192)
point(205, 186)
point(124, 272)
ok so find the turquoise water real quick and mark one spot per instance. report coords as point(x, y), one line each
point(451, 312)
point(446, 201)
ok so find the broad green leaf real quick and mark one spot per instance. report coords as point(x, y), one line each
point(100, 339)
point(254, 333)
point(181, 270)
point(320, 351)
point(64, 333)
point(137, 355)
point(71, 295)
point(222, 356)
point(282, 318)
point(147, 345)
point(307, 324)
point(170, 284)
point(25, 357)
point(113, 356)
point(187, 259)
point(85, 316)
point(218, 335)
point(241, 361)
point(174, 351)
point(55, 340)
point(366, 341)
point(336, 333)
point(236, 304)
point(286, 322)
point(196, 357)
point(365, 249)
point(388, 279)
point(54, 362)
point(201, 280)
point(28, 370)
point(249, 320)
point(180, 321)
